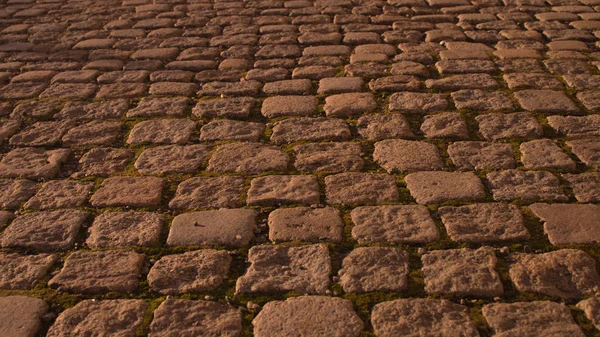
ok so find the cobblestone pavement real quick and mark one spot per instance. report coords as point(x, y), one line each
point(299, 168)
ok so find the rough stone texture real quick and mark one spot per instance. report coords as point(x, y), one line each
point(309, 316)
point(497, 126)
point(171, 159)
point(23, 271)
point(481, 156)
point(328, 157)
point(96, 318)
point(437, 187)
point(122, 229)
point(283, 190)
point(200, 192)
point(586, 186)
point(279, 106)
point(249, 158)
point(383, 126)
point(462, 271)
point(575, 126)
point(21, 315)
point(33, 163)
point(368, 269)
point(545, 101)
point(223, 227)
point(356, 188)
point(44, 231)
point(544, 154)
point(591, 307)
point(531, 319)
point(128, 191)
point(306, 224)
point(587, 150)
point(482, 223)
point(422, 317)
point(162, 131)
point(302, 269)
point(190, 272)
point(99, 272)
point(224, 129)
point(445, 125)
point(405, 224)
point(565, 273)
point(396, 155)
point(15, 192)
point(569, 223)
point(103, 162)
point(417, 102)
point(195, 318)
point(511, 185)
point(351, 104)
point(60, 194)
point(311, 129)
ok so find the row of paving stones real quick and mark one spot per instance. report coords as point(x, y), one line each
point(51, 231)
point(299, 315)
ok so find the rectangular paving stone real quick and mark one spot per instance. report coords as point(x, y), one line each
point(161, 131)
point(172, 159)
point(103, 162)
point(207, 192)
point(564, 274)
point(397, 155)
point(531, 319)
point(306, 224)
point(248, 158)
point(310, 129)
point(569, 223)
point(466, 272)
point(495, 126)
point(279, 106)
point(397, 224)
point(508, 185)
point(176, 317)
point(328, 157)
point(128, 191)
point(576, 126)
point(587, 150)
point(44, 231)
point(368, 269)
point(473, 155)
point(445, 125)
point(545, 101)
point(413, 102)
point(21, 315)
point(15, 192)
point(283, 190)
point(482, 223)
point(191, 272)
point(421, 317)
point(99, 272)
point(356, 188)
point(33, 163)
point(223, 129)
point(382, 126)
point(586, 186)
point(278, 269)
point(24, 271)
point(231, 107)
point(223, 227)
point(122, 229)
point(60, 194)
point(91, 317)
point(437, 187)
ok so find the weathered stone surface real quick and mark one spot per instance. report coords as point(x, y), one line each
point(60, 194)
point(15, 192)
point(591, 307)
point(191, 272)
point(162, 131)
point(41, 134)
point(531, 319)
point(99, 272)
point(510, 185)
point(122, 229)
point(309, 316)
point(248, 158)
point(223, 129)
point(445, 125)
point(44, 231)
point(77, 110)
point(576, 126)
point(312, 129)
point(96, 318)
point(350, 104)
point(586, 186)
point(382, 126)
point(171, 159)
point(283, 189)
point(357, 188)
point(21, 315)
point(278, 106)
point(368, 269)
point(565, 273)
point(200, 192)
point(396, 155)
point(405, 224)
point(306, 224)
point(545, 101)
point(480, 100)
point(569, 223)
point(23, 271)
point(422, 317)
point(544, 154)
point(302, 269)
point(328, 157)
point(103, 162)
point(33, 163)
point(469, 156)
point(128, 191)
point(197, 318)
point(94, 133)
point(413, 102)
point(232, 107)
point(462, 271)
point(150, 107)
point(588, 151)
point(495, 126)
point(436, 187)
point(483, 223)
point(223, 227)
